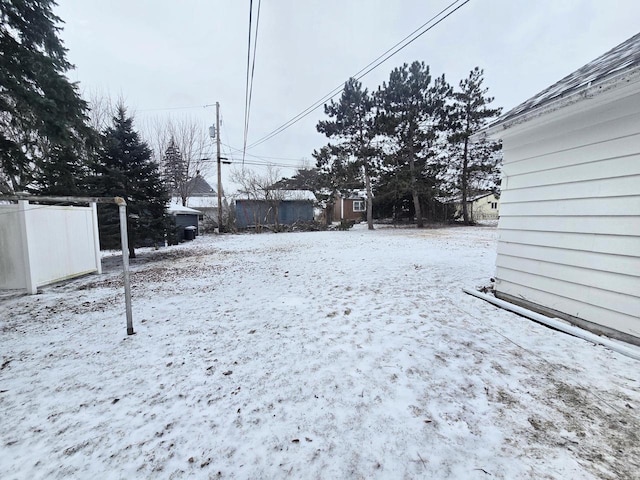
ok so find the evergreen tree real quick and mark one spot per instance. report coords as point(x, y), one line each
point(473, 164)
point(44, 137)
point(304, 179)
point(125, 169)
point(411, 113)
point(354, 130)
point(174, 166)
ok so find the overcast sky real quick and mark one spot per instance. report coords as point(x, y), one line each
point(163, 55)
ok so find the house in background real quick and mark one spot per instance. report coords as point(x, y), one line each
point(279, 207)
point(349, 207)
point(569, 229)
point(482, 206)
point(204, 198)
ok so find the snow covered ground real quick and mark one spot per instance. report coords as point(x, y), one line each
point(327, 355)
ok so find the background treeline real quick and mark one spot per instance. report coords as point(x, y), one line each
point(409, 145)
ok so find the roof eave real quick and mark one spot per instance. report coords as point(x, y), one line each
point(588, 92)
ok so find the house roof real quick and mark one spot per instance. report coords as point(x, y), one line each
point(472, 198)
point(198, 186)
point(613, 65)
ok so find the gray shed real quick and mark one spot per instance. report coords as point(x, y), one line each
point(184, 217)
point(285, 208)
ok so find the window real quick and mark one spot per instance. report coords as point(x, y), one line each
point(494, 205)
point(358, 206)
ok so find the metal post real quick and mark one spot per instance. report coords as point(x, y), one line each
point(29, 276)
point(122, 206)
point(219, 166)
point(96, 236)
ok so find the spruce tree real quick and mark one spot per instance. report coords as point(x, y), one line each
point(125, 169)
point(44, 137)
point(473, 163)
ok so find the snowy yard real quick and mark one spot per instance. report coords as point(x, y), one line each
point(331, 355)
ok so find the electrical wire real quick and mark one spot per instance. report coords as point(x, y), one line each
point(265, 163)
point(365, 70)
point(253, 67)
point(177, 108)
point(246, 88)
point(261, 156)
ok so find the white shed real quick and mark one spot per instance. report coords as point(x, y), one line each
point(569, 229)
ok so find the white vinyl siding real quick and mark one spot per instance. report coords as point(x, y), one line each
point(569, 230)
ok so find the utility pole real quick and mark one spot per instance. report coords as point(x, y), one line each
point(219, 167)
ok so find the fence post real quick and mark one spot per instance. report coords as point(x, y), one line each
point(124, 240)
point(96, 236)
point(29, 278)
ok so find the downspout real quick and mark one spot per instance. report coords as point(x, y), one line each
point(558, 325)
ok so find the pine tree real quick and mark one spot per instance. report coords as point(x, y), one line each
point(474, 163)
point(411, 113)
point(44, 137)
point(353, 127)
point(125, 169)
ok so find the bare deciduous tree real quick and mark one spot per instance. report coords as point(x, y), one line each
point(260, 188)
point(101, 109)
point(181, 147)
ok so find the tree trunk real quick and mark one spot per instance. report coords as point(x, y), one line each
point(328, 213)
point(414, 191)
point(367, 181)
point(464, 184)
point(132, 251)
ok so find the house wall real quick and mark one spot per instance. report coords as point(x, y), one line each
point(481, 208)
point(569, 229)
point(44, 244)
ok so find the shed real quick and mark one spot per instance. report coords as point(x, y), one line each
point(349, 207)
point(183, 217)
point(569, 229)
point(282, 207)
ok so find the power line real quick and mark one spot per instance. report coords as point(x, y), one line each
point(261, 156)
point(253, 67)
point(365, 70)
point(246, 88)
point(249, 81)
point(176, 108)
point(263, 163)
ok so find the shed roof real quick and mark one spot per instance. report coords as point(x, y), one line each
point(616, 62)
point(285, 195)
point(177, 208)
